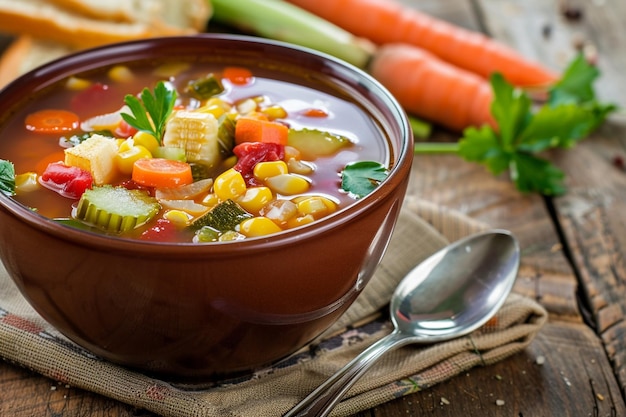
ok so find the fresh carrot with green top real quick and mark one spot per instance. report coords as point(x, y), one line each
point(387, 21)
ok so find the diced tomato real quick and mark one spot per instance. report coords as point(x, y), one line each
point(251, 153)
point(162, 231)
point(124, 130)
point(70, 182)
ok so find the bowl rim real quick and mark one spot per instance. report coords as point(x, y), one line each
point(110, 54)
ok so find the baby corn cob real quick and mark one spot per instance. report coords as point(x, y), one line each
point(196, 133)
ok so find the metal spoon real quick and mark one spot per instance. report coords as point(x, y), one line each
point(450, 294)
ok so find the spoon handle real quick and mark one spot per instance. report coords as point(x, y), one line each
point(321, 401)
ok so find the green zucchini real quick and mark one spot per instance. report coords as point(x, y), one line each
point(116, 209)
point(224, 217)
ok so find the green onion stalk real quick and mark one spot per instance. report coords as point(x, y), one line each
point(282, 21)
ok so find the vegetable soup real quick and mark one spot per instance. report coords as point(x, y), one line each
point(182, 152)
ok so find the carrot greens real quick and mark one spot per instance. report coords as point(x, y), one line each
point(151, 112)
point(524, 131)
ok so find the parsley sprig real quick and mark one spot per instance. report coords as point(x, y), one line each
point(151, 112)
point(524, 131)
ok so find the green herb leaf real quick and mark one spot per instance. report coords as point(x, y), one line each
point(7, 178)
point(570, 114)
point(361, 178)
point(483, 146)
point(532, 174)
point(151, 112)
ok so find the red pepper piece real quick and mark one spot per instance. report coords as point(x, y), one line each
point(70, 182)
point(162, 231)
point(251, 153)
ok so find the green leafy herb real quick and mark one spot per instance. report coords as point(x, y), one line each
point(7, 178)
point(151, 112)
point(570, 114)
point(361, 178)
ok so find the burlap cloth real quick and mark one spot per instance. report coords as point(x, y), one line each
point(26, 339)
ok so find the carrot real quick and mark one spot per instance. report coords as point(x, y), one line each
point(52, 121)
point(255, 130)
point(238, 75)
point(432, 88)
point(161, 173)
point(387, 21)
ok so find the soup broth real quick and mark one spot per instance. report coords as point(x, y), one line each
point(313, 118)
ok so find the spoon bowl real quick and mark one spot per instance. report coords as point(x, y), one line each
point(450, 294)
point(456, 290)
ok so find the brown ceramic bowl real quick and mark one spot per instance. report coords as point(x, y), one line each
point(207, 311)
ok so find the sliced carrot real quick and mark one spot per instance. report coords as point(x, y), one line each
point(389, 21)
point(161, 173)
point(52, 121)
point(255, 130)
point(238, 75)
point(432, 88)
point(314, 112)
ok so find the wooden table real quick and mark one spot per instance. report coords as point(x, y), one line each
point(574, 246)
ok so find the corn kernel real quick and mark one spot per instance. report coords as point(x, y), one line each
point(178, 217)
point(126, 159)
point(291, 152)
point(274, 112)
point(264, 170)
point(230, 235)
point(211, 200)
point(125, 145)
point(26, 182)
point(258, 226)
point(255, 198)
point(146, 140)
point(287, 184)
point(121, 73)
point(299, 221)
point(171, 69)
point(213, 109)
point(229, 185)
point(216, 101)
point(299, 167)
point(77, 84)
point(315, 206)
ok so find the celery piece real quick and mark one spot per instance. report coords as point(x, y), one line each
point(313, 143)
point(225, 216)
point(279, 20)
point(170, 152)
point(205, 87)
point(116, 209)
